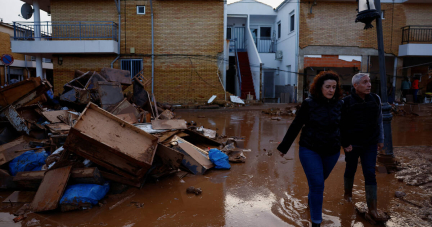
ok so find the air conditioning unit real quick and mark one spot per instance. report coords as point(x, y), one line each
point(279, 55)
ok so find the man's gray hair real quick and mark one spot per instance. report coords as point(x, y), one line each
point(357, 77)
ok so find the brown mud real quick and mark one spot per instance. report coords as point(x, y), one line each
point(267, 190)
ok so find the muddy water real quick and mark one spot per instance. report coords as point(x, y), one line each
point(267, 190)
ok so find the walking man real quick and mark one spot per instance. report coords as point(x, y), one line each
point(362, 136)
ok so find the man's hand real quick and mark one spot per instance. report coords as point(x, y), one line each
point(348, 149)
point(281, 154)
point(380, 146)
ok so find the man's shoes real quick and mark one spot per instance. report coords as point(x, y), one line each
point(315, 225)
point(371, 199)
point(348, 187)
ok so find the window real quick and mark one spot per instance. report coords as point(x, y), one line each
point(279, 29)
point(134, 66)
point(140, 9)
point(288, 74)
point(292, 22)
point(382, 14)
point(228, 33)
point(265, 33)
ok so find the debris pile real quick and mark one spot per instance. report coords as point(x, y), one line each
point(54, 152)
point(288, 111)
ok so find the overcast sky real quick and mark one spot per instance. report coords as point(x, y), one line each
point(10, 9)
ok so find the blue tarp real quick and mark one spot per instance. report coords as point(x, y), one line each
point(219, 158)
point(29, 161)
point(84, 193)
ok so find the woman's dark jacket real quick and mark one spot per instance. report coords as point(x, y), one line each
point(321, 120)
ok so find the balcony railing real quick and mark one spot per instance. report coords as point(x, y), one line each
point(416, 34)
point(73, 30)
point(265, 45)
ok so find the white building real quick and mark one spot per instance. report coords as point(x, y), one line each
point(266, 41)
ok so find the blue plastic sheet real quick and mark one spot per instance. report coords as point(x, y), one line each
point(219, 158)
point(29, 161)
point(84, 193)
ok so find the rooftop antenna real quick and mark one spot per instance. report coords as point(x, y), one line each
point(26, 11)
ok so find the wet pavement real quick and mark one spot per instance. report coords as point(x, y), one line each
point(267, 190)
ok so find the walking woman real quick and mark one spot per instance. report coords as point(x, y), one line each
point(320, 145)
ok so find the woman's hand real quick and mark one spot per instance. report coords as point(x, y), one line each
point(348, 149)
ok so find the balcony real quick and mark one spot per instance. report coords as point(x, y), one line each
point(265, 45)
point(73, 37)
point(416, 41)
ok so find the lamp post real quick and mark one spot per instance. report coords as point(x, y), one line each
point(369, 10)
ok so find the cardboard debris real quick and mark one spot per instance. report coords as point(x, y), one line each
point(125, 107)
point(53, 116)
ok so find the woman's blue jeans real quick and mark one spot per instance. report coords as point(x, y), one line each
point(317, 168)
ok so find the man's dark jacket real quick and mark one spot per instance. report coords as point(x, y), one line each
point(321, 132)
point(361, 123)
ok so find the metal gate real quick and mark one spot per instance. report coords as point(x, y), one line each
point(238, 33)
point(134, 66)
point(269, 85)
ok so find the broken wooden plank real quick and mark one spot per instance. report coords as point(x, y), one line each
point(20, 197)
point(51, 189)
point(18, 122)
point(125, 107)
point(9, 150)
point(52, 116)
point(128, 117)
point(57, 127)
point(169, 124)
point(195, 159)
point(13, 92)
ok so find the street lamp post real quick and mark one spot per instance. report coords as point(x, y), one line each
point(367, 12)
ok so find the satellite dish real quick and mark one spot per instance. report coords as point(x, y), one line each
point(26, 11)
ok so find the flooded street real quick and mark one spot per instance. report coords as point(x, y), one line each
point(267, 190)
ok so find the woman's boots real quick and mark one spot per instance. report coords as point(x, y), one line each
point(348, 187)
point(315, 225)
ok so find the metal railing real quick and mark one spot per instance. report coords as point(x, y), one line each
point(416, 34)
point(237, 63)
point(265, 45)
point(78, 30)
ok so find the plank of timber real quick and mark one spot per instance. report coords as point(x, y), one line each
point(51, 189)
point(52, 115)
point(169, 124)
point(90, 175)
point(20, 197)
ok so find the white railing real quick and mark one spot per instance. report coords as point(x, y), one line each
point(254, 61)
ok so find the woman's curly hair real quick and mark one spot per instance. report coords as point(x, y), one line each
point(316, 86)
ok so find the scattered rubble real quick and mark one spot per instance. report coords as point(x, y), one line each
point(95, 138)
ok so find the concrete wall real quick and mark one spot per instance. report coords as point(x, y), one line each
point(187, 44)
